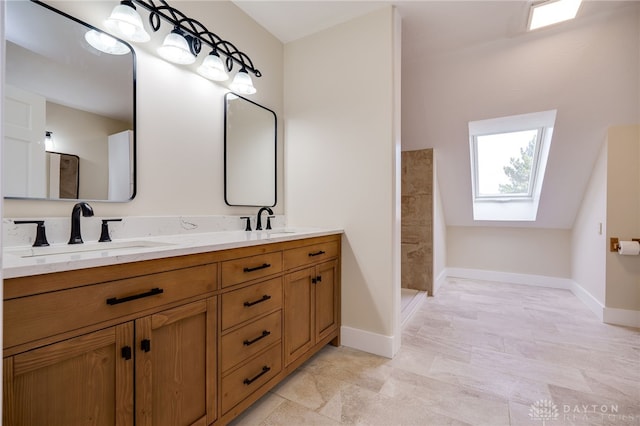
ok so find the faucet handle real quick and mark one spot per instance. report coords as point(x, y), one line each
point(248, 226)
point(41, 235)
point(269, 221)
point(104, 234)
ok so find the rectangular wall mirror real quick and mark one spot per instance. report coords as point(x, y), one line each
point(249, 153)
point(58, 84)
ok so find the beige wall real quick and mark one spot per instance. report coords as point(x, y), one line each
point(531, 251)
point(588, 236)
point(341, 156)
point(180, 119)
point(623, 213)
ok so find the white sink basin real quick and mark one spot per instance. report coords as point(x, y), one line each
point(83, 248)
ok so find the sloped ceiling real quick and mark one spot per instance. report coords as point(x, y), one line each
point(473, 60)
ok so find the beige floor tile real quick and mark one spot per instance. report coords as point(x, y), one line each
point(479, 353)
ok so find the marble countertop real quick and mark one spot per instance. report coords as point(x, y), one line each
point(25, 261)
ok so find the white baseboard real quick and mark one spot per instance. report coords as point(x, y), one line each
point(367, 341)
point(440, 279)
point(624, 317)
point(585, 297)
point(510, 277)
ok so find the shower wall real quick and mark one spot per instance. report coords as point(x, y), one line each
point(417, 220)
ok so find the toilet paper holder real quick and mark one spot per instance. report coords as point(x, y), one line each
point(614, 243)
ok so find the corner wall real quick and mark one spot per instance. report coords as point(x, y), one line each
point(588, 239)
point(341, 160)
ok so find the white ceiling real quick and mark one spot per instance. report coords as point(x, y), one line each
point(453, 59)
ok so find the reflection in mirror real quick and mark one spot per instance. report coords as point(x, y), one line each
point(58, 84)
point(64, 175)
point(249, 153)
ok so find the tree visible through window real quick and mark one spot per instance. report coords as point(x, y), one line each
point(519, 170)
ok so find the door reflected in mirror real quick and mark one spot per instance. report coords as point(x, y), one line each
point(249, 153)
point(58, 84)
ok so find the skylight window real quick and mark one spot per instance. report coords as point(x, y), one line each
point(508, 160)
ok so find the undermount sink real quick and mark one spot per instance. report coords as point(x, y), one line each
point(83, 248)
point(280, 233)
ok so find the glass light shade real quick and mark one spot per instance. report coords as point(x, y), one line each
point(213, 68)
point(242, 83)
point(105, 43)
point(126, 23)
point(48, 141)
point(176, 49)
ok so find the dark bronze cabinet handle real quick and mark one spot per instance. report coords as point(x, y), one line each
point(317, 253)
point(152, 292)
point(257, 268)
point(264, 371)
point(126, 352)
point(255, 302)
point(145, 345)
point(264, 334)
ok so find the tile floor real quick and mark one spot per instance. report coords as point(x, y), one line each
point(479, 353)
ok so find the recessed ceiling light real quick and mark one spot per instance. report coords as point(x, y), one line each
point(551, 12)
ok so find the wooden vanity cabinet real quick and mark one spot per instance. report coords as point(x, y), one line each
point(311, 308)
point(189, 340)
point(150, 361)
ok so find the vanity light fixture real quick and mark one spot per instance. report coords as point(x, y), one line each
point(105, 43)
point(213, 68)
point(551, 12)
point(177, 48)
point(184, 43)
point(48, 141)
point(125, 22)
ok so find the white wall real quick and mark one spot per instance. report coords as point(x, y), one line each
point(341, 159)
point(439, 231)
point(588, 236)
point(531, 251)
point(623, 211)
point(180, 120)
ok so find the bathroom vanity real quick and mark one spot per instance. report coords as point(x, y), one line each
point(166, 335)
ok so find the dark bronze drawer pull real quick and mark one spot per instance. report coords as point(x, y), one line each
point(255, 302)
point(318, 253)
point(257, 268)
point(125, 351)
point(152, 292)
point(264, 371)
point(264, 334)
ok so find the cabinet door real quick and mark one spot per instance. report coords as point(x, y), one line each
point(175, 366)
point(326, 299)
point(87, 380)
point(298, 313)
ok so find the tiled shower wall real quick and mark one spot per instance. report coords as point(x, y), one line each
point(417, 220)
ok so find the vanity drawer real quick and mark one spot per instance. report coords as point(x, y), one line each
point(310, 254)
point(248, 378)
point(248, 268)
point(249, 340)
point(250, 302)
point(34, 317)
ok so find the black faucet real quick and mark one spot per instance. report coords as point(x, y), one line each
point(87, 211)
point(259, 221)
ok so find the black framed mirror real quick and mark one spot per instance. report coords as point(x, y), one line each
point(250, 146)
point(57, 83)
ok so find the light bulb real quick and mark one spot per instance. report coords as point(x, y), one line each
point(125, 22)
point(242, 83)
point(213, 68)
point(175, 48)
point(105, 43)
